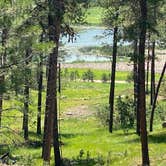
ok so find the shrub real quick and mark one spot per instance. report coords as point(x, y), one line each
point(102, 114)
point(104, 78)
point(126, 112)
point(88, 75)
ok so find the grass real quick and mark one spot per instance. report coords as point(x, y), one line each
point(94, 16)
point(85, 141)
point(120, 75)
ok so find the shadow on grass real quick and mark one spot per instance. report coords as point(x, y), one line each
point(79, 162)
point(71, 135)
point(84, 159)
point(4, 148)
point(152, 138)
point(158, 138)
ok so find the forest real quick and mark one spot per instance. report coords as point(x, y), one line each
point(83, 82)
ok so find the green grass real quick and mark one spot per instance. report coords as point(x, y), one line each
point(120, 75)
point(94, 16)
point(78, 134)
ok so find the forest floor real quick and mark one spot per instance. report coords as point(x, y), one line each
point(84, 140)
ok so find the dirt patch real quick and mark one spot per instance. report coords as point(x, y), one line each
point(78, 112)
point(121, 66)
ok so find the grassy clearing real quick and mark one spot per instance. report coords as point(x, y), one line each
point(94, 16)
point(84, 135)
point(120, 75)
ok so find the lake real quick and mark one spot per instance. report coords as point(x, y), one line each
point(86, 38)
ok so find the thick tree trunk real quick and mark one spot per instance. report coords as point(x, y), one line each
point(153, 74)
point(155, 98)
point(2, 77)
point(112, 86)
point(26, 98)
point(141, 81)
point(136, 86)
point(40, 85)
point(51, 120)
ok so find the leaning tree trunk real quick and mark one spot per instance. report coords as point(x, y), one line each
point(26, 96)
point(136, 86)
point(155, 98)
point(153, 74)
point(2, 76)
point(40, 86)
point(112, 86)
point(141, 81)
point(51, 120)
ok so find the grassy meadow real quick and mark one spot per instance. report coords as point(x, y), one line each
point(84, 140)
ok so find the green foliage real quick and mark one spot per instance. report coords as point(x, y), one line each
point(104, 77)
point(102, 114)
point(126, 112)
point(88, 75)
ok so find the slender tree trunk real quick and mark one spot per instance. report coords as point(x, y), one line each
point(155, 98)
point(51, 120)
point(26, 97)
point(153, 74)
point(2, 77)
point(112, 86)
point(136, 86)
point(40, 85)
point(147, 70)
point(141, 81)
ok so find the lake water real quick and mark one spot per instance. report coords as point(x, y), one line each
point(86, 38)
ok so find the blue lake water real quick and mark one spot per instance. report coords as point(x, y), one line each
point(90, 37)
point(86, 38)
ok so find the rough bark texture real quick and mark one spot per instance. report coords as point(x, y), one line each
point(155, 98)
point(136, 86)
point(141, 81)
point(112, 86)
point(153, 74)
point(51, 120)
point(40, 85)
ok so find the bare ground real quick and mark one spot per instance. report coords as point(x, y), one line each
point(78, 112)
point(121, 66)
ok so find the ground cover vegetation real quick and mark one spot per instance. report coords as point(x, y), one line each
point(71, 116)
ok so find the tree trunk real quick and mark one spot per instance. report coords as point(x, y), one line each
point(147, 70)
point(40, 85)
point(141, 81)
point(153, 74)
point(112, 86)
point(136, 86)
point(26, 97)
point(155, 99)
point(51, 120)
point(2, 77)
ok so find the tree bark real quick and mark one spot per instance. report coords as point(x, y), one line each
point(112, 86)
point(152, 74)
point(26, 98)
point(141, 81)
point(51, 120)
point(147, 70)
point(155, 98)
point(40, 85)
point(2, 77)
point(136, 86)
